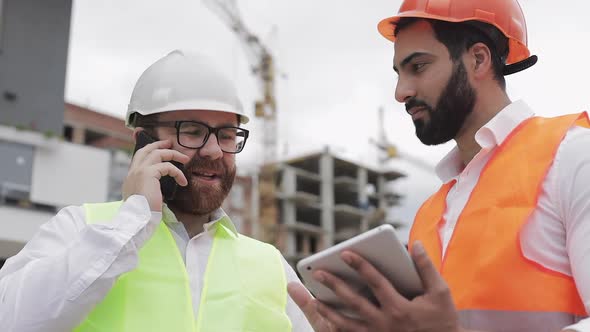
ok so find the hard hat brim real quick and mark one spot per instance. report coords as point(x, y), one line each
point(386, 27)
point(187, 106)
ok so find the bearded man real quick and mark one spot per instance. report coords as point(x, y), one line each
point(154, 262)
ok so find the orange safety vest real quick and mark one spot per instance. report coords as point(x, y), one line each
point(494, 287)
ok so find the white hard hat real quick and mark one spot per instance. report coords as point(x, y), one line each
point(181, 81)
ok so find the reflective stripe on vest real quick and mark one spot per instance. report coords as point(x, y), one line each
point(521, 321)
point(488, 275)
point(244, 287)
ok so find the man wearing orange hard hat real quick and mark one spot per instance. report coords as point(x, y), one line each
point(503, 245)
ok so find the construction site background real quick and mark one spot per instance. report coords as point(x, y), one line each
point(56, 153)
point(318, 199)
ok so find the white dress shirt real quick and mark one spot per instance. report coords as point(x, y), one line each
point(69, 266)
point(557, 235)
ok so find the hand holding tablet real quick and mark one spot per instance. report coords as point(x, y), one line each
point(381, 247)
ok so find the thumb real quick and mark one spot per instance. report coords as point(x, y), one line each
point(426, 269)
point(308, 305)
point(299, 294)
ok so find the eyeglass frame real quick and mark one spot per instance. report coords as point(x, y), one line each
point(214, 130)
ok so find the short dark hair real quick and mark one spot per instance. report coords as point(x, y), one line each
point(146, 122)
point(458, 37)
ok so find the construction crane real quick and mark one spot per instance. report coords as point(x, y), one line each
point(390, 151)
point(263, 67)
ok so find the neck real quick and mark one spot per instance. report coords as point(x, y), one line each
point(485, 109)
point(192, 223)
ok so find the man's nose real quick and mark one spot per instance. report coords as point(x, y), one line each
point(404, 90)
point(211, 149)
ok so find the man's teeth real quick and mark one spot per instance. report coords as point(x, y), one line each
point(210, 175)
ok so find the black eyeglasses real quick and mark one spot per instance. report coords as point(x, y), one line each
point(194, 135)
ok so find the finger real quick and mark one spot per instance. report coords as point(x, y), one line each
point(383, 290)
point(162, 155)
point(162, 144)
point(168, 169)
point(428, 273)
point(349, 297)
point(143, 152)
point(169, 155)
point(308, 305)
point(339, 321)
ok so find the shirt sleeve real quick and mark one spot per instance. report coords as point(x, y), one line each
point(69, 266)
point(572, 164)
point(297, 317)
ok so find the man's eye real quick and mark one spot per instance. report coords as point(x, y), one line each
point(227, 135)
point(417, 67)
point(196, 132)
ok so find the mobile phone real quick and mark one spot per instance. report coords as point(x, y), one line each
point(168, 185)
point(381, 247)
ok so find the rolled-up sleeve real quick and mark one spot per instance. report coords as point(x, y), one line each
point(69, 266)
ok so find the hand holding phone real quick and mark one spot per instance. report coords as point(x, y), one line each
point(155, 171)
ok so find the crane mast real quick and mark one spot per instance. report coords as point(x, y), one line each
point(262, 64)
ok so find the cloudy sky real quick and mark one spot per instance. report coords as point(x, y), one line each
point(337, 70)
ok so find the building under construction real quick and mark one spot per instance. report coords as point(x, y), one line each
point(321, 199)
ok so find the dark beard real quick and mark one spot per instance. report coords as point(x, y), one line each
point(202, 200)
point(455, 103)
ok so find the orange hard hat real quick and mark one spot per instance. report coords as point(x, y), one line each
point(506, 15)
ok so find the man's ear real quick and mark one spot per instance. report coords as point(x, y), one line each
point(136, 131)
point(481, 60)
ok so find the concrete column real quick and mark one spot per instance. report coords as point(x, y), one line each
point(381, 183)
point(289, 212)
point(78, 135)
point(306, 250)
point(362, 179)
point(327, 199)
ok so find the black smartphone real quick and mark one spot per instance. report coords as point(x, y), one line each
point(167, 183)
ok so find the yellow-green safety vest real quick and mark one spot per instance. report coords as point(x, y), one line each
point(244, 287)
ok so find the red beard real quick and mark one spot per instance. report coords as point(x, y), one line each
point(200, 199)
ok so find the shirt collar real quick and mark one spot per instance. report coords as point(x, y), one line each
point(488, 137)
point(217, 216)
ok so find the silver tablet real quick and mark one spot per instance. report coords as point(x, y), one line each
point(381, 247)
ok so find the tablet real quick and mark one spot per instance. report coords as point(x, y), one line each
point(381, 247)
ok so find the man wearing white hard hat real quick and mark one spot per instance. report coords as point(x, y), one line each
point(158, 260)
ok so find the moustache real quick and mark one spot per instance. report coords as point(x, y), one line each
point(416, 103)
point(202, 164)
